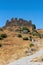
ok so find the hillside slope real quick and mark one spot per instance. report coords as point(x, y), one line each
point(19, 40)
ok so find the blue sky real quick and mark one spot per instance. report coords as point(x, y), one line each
point(26, 9)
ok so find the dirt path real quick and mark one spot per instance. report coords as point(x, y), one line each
point(26, 60)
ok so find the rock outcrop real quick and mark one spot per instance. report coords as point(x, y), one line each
point(18, 22)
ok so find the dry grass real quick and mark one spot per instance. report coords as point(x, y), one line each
point(38, 59)
point(13, 47)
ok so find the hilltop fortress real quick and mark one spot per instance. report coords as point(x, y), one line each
point(19, 22)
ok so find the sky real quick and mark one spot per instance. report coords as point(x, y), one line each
point(26, 9)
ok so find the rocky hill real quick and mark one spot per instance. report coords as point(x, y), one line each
point(19, 38)
point(20, 22)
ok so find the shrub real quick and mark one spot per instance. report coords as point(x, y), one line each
point(25, 28)
point(31, 45)
point(30, 38)
point(33, 26)
point(0, 45)
point(25, 38)
point(19, 35)
point(3, 35)
point(1, 38)
point(35, 33)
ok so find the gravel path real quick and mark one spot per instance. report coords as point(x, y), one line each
point(27, 60)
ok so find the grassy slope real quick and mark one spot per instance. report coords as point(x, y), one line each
point(13, 47)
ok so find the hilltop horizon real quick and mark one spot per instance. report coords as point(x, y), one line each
point(9, 20)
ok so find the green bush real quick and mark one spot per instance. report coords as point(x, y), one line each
point(33, 26)
point(1, 38)
point(19, 35)
point(35, 33)
point(0, 45)
point(30, 38)
point(25, 28)
point(31, 45)
point(25, 38)
point(3, 35)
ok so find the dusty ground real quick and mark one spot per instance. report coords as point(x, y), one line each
point(38, 59)
point(14, 48)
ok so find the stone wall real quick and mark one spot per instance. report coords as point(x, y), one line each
point(18, 22)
